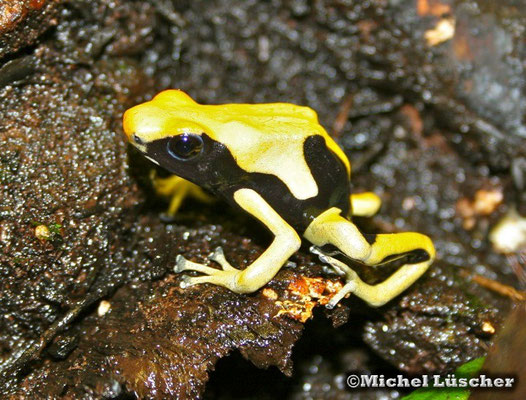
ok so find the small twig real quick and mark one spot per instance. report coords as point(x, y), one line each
point(516, 261)
point(495, 286)
point(343, 116)
point(34, 348)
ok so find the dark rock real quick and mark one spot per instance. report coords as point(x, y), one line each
point(23, 21)
point(426, 126)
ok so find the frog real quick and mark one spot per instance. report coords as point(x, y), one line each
point(276, 162)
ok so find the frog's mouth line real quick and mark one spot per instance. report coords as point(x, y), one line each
point(141, 147)
point(152, 160)
point(144, 150)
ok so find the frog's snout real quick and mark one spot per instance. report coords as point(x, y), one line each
point(143, 124)
point(128, 125)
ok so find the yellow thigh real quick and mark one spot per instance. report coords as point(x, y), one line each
point(365, 204)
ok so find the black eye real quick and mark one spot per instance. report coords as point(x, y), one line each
point(185, 146)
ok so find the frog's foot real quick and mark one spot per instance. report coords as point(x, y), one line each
point(353, 281)
point(340, 268)
point(227, 276)
point(177, 189)
point(219, 257)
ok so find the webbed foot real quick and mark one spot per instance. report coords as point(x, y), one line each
point(351, 277)
point(227, 276)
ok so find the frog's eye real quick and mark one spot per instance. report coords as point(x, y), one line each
point(185, 146)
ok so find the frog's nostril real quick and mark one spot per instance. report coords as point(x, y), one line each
point(137, 139)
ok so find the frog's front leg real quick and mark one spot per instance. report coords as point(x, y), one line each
point(286, 242)
point(177, 189)
point(373, 250)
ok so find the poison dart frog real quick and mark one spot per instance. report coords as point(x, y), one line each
point(277, 163)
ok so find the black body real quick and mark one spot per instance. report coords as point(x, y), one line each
point(216, 170)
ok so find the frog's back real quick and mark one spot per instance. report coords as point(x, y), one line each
point(277, 149)
point(292, 122)
point(285, 124)
point(325, 169)
point(271, 138)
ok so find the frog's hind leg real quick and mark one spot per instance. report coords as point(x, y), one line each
point(331, 228)
point(365, 204)
point(177, 189)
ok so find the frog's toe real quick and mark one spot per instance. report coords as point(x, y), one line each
point(219, 257)
point(214, 276)
point(182, 264)
point(348, 288)
point(353, 281)
point(337, 266)
point(187, 281)
point(227, 277)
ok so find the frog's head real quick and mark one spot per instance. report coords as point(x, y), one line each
point(165, 131)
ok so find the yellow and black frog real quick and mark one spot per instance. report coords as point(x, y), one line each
point(277, 163)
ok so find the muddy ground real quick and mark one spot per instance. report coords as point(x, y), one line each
point(428, 100)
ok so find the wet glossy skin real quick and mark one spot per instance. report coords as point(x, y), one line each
point(277, 163)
